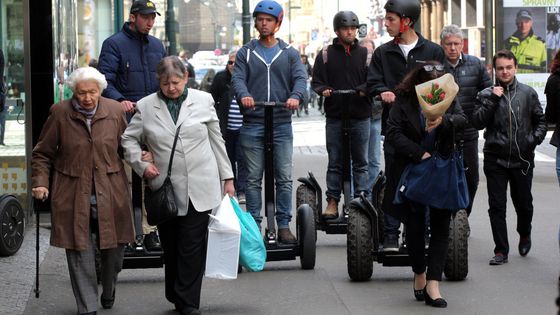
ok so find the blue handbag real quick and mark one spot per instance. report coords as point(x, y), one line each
point(252, 252)
point(437, 182)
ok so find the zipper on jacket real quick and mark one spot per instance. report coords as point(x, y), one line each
point(268, 65)
point(510, 131)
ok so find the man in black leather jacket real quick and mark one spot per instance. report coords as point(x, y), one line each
point(471, 76)
point(515, 125)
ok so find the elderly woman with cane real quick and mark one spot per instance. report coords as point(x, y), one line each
point(79, 147)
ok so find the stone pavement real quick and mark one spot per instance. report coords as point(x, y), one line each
point(17, 272)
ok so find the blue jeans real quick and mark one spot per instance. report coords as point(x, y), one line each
point(374, 151)
point(558, 164)
point(251, 138)
point(233, 149)
point(359, 140)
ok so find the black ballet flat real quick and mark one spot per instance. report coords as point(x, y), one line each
point(418, 294)
point(439, 302)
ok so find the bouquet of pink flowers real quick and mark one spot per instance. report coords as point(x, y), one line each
point(435, 96)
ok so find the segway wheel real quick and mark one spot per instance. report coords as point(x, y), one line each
point(359, 246)
point(457, 264)
point(11, 225)
point(307, 239)
point(306, 195)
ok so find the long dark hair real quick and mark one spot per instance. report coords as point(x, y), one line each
point(555, 66)
point(417, 76)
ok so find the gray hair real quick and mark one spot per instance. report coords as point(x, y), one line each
point(451, 30)
point(171, 66)
point(86, 74)
point(232, 53)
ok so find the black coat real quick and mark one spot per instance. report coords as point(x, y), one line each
point(513, 129)
point(471, 76)
point(389, 66)
point(223, 94)
point(344, 70)
point(552, 114)
point(404, 137)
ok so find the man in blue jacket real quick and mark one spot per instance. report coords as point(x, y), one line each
point(268, 69)
point(128, 59)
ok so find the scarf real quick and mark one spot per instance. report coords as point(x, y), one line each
point(174, 105)
point(77, 107)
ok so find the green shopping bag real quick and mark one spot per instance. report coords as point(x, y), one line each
point(252, 253)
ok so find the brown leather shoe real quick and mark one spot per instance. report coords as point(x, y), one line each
point(285, 236)
point(332, 209)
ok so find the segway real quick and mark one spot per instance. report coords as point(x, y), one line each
point(136, 256)
point(309, 191)
point(305, 247)
point(365, 239)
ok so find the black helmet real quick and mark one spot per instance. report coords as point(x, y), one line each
point(345, 18)
point(404, 8)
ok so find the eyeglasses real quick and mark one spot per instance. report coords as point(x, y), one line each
point(430, 68)
point(230, 62)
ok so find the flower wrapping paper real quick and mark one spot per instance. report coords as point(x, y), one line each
point(433, 111)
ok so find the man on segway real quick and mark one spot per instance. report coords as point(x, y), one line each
point(390, 63)
point(268, 69)
point(344, 66)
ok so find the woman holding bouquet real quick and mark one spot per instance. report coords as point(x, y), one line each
point(414, 138)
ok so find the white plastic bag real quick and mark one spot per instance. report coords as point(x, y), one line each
point(222, 257)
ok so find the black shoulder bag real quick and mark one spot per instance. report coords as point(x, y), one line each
point(160, 204)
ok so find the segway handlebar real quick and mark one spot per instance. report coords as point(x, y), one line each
point(343, 92)
point(270, 103)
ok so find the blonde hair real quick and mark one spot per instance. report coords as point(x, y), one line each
point(86, 74)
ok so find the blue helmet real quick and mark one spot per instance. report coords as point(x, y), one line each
point(271, 8)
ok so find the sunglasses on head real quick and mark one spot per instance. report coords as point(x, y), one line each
point(430, 68)
point(230, 62)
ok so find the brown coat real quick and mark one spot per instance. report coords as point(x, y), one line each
point(77, 159)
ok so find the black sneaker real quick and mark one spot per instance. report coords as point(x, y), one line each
point(499, 259)
point(151, 242)
point(391, 243)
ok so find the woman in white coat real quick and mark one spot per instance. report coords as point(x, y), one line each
point(200, 165)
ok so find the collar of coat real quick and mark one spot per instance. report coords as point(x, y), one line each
point(127, 29)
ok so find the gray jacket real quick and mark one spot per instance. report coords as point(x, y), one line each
point(285, 77)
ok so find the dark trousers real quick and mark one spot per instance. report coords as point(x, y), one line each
point(233, 149)
point(439, 240)
point(184, 252)
point(391, 224)
point(470, 156)
point(497, 178)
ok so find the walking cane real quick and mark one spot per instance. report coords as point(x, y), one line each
point(34, 205)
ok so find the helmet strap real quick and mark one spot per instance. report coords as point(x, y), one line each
point(402, 29)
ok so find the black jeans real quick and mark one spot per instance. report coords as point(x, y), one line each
point(470, 156)
point(439, 240)
point(184, 251)
point(497, 178)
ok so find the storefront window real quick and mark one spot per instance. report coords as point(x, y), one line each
point(94, 25)
point(13, 170)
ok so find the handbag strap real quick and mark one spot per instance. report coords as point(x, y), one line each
point(173, 151)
